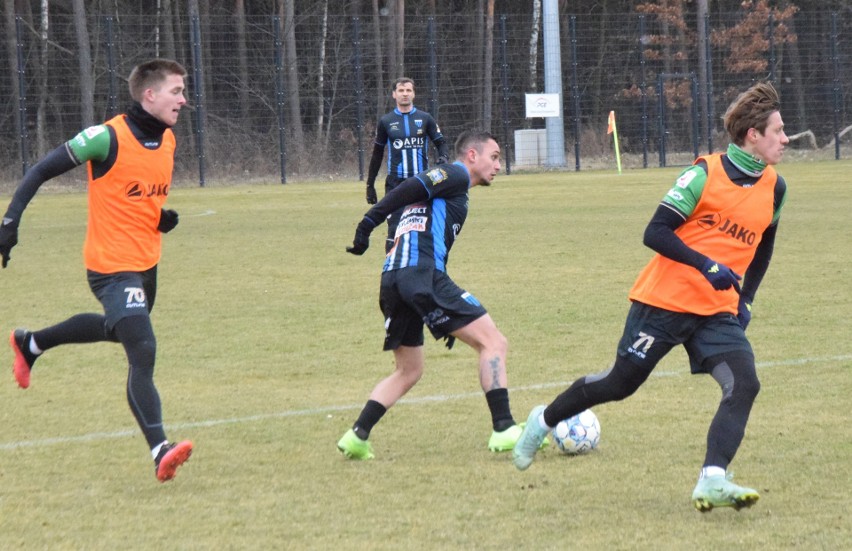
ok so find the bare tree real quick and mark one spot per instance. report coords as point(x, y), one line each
point(84, 63)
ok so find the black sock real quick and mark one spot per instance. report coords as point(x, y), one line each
point(370, 415)
point(498, 403)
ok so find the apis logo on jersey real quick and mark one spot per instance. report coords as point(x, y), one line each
point(137, 191)
point(436, 176)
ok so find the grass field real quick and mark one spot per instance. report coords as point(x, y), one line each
point(269, 341)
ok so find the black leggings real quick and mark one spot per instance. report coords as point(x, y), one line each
point(734, 371)
point(136, 335)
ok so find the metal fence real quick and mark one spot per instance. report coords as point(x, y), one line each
point(238, 127)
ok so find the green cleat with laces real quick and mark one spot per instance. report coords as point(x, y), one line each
point(354, 448)
point(719, 491)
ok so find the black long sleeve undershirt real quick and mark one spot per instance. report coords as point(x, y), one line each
point(59, 161)
point(660, 237)
point(407, 192)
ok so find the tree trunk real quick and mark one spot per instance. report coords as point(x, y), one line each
point(242, 59)
point(41, 78)
point(478, 54)
point(488, 84)
point(381, 93)
point(321, 70)
point(292, 73)
point(168, 31)
point(84, 61)
point(399, 33)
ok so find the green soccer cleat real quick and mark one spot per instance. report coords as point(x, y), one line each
point(719, 491)
point(530, 440)
point(505, 441)
point(354, 448)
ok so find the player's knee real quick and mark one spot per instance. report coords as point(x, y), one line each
point(735, 372)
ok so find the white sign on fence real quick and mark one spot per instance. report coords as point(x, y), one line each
point(542, 105)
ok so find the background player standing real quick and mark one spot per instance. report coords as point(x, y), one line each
point(718, 221)
point(130, 160)
point(404, 131)
point(416, 290)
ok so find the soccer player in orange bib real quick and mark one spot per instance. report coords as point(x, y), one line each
point(717, 223)
point(130, 160)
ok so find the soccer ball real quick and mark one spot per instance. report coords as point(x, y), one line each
point(579, 434)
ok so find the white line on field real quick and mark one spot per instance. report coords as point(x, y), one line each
point(93, 436)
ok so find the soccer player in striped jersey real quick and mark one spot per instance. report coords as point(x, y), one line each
point(405, 132)
point(416, 290)
point(717, 223)
point(130, 160)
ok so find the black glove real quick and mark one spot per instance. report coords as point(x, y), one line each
point(744, 311)
point(362, 237)
point(720, 276)
point(8, 238)
point(372, 198)
point(442, 159)
point(168, 220)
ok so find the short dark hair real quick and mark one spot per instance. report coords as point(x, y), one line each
point(151, 73)
point(751, 109)
point(402, 80)
point(474, 138)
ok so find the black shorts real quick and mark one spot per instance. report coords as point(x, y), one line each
point(124, 294)
point(650, 333)
point(413, 297)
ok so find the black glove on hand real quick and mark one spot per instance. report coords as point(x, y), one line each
point(744, 311)
point(362, 237)
point(8, 238)
point(372, 198)
point(168, 220)
point(720, 276)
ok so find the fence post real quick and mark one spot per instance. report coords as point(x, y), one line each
point(662, 119)
point(22, 98)
point(359, 94)
point(112, 96)
point(836, 85)
point(709, 91)
point(198, 91)
point(277, 59)
point(504, 82)
point(695, 122)
point(642, 93)
point(432, 46)
point(575, 91)
point(770, 24)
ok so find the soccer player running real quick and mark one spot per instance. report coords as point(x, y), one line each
point(717, 222)
point(130, 159)
point(405, 131)
point(416, 290)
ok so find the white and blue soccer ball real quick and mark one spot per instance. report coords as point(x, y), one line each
point(578, 434)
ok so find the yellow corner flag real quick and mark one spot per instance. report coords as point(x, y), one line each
point(611, 129)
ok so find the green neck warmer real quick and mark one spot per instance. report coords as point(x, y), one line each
point(746, 162)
